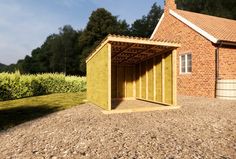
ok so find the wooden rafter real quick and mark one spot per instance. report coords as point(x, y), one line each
point(130, 40)
point(125, 49)
point(143, 51)
point(161, 52)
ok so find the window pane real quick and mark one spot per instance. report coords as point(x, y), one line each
point(189, 63)
point(183, 64)
point(189, 69)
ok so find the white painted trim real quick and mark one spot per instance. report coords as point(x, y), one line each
point(158, 24)
point(186, 64)
point(194, 27)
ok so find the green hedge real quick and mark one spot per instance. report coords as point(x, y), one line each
point(14, 85)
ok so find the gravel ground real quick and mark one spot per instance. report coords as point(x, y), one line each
point(202, 128)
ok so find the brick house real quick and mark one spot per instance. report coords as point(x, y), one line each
point(207, 56)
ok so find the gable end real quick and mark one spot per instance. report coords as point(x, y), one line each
point(194, 27)
point(158, 24)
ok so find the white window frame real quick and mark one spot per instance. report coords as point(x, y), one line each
point(186, 63)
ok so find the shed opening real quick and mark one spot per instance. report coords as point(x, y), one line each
point(129, 68)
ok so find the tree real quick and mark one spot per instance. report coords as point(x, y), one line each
point(68, 40)
point(145, 26)
point(101, 23)
point(58, 53)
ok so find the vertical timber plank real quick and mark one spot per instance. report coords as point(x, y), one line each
point(140, 81)
point(134, 82)
point(168, 79)
point(109, 76)
point(174, 77)
point(113, 81)
point(146, 72)
point(137, 80)
point(158, 65)
point(150, 79)
point(154, 79)
point(163, 77)
point(125, 69)
point(129, 74)
point(117, 82)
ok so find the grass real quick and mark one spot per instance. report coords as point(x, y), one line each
point(18, 111)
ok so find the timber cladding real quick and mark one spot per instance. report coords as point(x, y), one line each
point(97, 78)
point(122, 81)
point(131, 68)
point(158, 73)
point(155, 77)
point(150, 80)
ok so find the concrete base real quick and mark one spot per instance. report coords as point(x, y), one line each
point(130, 106)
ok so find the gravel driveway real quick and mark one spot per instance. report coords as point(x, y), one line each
point(202, 128)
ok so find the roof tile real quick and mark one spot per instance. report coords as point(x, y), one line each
point(221, 28)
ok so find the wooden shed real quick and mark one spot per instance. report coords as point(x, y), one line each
point(130, 68)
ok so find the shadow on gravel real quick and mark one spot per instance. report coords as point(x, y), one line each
point(11, 117)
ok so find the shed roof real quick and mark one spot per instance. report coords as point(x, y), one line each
point(132, 50)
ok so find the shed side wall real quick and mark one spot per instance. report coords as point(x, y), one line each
point(158, 78)
point(122, 81)
point(148, 79)
point(168, 79)
point(97, 79)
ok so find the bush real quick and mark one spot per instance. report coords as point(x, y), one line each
point(14, 85)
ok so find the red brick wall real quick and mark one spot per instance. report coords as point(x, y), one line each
point(227, 63)
point(201, 82)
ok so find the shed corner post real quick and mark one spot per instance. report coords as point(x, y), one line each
point(174, 76)
point(109, 76)
point(163, 77)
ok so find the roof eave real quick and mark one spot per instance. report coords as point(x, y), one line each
point(127, 39)
point(194, 27)
point(224, 42)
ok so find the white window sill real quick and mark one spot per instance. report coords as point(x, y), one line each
point(188, 73)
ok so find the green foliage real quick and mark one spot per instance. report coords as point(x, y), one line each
point(15, 86)
point(7, 68)
point(101, 23)
point(218, 8)
point(2, 65)
point(145, 26)
point(58, 54)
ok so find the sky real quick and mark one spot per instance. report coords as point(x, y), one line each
point(25, 24)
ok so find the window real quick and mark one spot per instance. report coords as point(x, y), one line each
point(185, 63)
